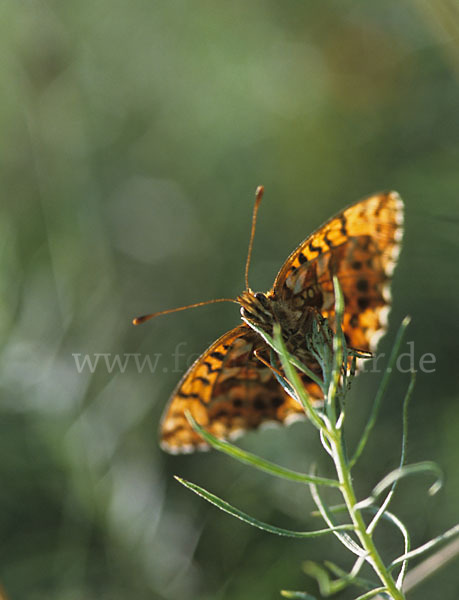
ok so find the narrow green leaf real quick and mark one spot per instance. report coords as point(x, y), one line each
point(381, 391)
point(344, 538)
point(372, 593)
point(273, 344)
point(295, 381)
point(283, 382)
point(421, 467)
point(352, 576)
point(406, 540)
point(235, 512)
point(372, 526)
point(327, 585)
point(338, 353)
point(431, 565)
point(453, 532)
point(256, 461)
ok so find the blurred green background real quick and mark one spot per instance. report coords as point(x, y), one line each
point(133, 137)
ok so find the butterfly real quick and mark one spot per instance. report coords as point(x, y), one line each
point(230, 388)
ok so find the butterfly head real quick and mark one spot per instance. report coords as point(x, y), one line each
point(256, 307)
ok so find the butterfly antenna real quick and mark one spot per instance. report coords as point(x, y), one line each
point(258, 197)
point(143, 318)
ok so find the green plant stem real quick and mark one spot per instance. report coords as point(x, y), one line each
point(347, 489)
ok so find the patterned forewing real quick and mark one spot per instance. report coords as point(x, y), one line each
point(228, 390)
point(360, 245)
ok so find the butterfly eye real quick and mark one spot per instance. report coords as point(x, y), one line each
point(246, 314)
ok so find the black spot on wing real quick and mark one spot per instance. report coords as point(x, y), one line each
point(328, 241)
point(210, 369)
point(302, 258)
point(313, 248)
point(362, 285)
point(343, 229)
point(185, 395)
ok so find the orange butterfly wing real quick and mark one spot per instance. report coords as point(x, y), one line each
point(228, 391)
point(361, 246)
